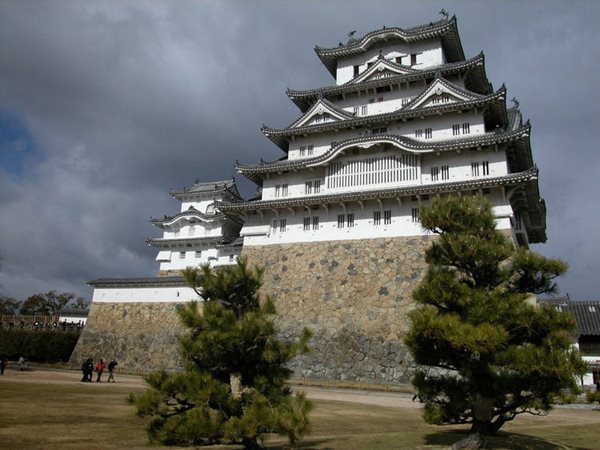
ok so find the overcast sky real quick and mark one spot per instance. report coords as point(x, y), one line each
point(106, 105)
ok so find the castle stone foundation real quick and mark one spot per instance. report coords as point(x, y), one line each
point(354, 296)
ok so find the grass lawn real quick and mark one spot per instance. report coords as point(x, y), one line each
point(55, 411)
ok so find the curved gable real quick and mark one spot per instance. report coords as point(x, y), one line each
point(441, 91)
point(382, 68)
point(321, 112)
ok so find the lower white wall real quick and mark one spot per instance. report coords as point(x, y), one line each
point(144, 295)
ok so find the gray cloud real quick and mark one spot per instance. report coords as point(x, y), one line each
point(125, 100)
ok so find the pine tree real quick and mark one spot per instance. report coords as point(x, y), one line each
point(484, 349)
point(233, 388)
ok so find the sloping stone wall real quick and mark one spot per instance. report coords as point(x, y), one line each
point(354, 296)
point(140, 336)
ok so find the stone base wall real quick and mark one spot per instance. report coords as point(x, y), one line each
point(142, 337)
point(354, 296)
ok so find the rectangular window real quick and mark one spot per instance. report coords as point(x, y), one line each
point(398, 59)
point(356, 110)
point(428, 133)
point(302, 150)
point(282, 225)
point(350, 220)
point(274, 226)
point(445, 173)
point(198, 255)
point(379, 130)
point(308, 187)
point(284, 190)
point(387, 217)
point(310, 149)
point(231, 257)
point(369, 64)
point(413, 59)
point(466, 128)
point(277, 190)
point(376, 218)
point(371, 100)
point(307, 224)
point(356, 69)
point(435, 173)
point(363, 110)
point(475, 169)
point(315, 223)
point(380, 99)
point(485, 168)
point(415, 215)
point(341, 221)
point(418, 133)
point(317, 186)
point(405, 101)
point(181, 255)
point(455, 129)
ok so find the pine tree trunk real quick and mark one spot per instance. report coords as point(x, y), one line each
point(474, 440)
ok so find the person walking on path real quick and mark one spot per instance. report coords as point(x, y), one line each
point(111, 370)
point(3, 363)
point(100, 366)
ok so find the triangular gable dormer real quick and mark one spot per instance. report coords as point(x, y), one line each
point(382, 68)
point(441, 92)
point(323, 111)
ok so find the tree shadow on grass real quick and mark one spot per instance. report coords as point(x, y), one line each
point(502, 440)
point(305, 444)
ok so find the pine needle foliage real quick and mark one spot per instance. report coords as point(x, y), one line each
point(485, 350)
point(233, 388)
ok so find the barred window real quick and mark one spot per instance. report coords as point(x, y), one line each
point(310, 149)
point(364, 110)
point(445, 173)
point(415, 215)
point(474, 169)
point(181, 255)
point(418, 133)
point(428, 133)
point(350, 220)
point(466, 128)
point(376, 218)
point(308, 187)
point(302, 150)
point(277, 190)
point(435, 172)
point(341, 221)
point(485, 168)
point(455, 129)
point(315, 223)
point(282, 225)
point(284, 190)
point(306, 223)
point(387, 217)
point(198, 254)
point(317, 186)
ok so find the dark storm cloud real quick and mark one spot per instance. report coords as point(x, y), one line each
point(125, 100)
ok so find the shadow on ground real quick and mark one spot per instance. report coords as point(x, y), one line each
point(502, 440)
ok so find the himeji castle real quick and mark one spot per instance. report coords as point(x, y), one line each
point(406, 118)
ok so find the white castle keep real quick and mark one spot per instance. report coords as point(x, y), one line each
point(407, 119)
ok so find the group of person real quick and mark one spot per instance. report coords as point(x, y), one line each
point(88, 368)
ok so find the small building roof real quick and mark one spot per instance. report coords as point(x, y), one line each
point(166, 281)
point(585, 313)
point(189, 242)
point(446, 29)
point(189, 213)
point(207, 188)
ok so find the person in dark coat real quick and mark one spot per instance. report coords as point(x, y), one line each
point(3, 363)
point(111, 369)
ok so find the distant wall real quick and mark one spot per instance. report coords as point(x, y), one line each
point(141, 336)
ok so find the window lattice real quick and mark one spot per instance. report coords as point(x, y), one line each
point(364, 172)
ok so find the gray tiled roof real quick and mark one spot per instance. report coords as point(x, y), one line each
point(434, 188)
point(191, 241)
point(168, 281)
point(253, 172)
point(208, 187)
point(494, 101)
point(305, 98)
point(191, 212)
point(585, 313)
point(446, 29)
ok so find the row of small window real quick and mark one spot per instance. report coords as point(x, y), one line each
point(343, 220)
point(398, 60)
point(435, 173)
point(198, 255)
point(456, 130)
point(307, 150)
point(485, 168)
point(191, 231)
